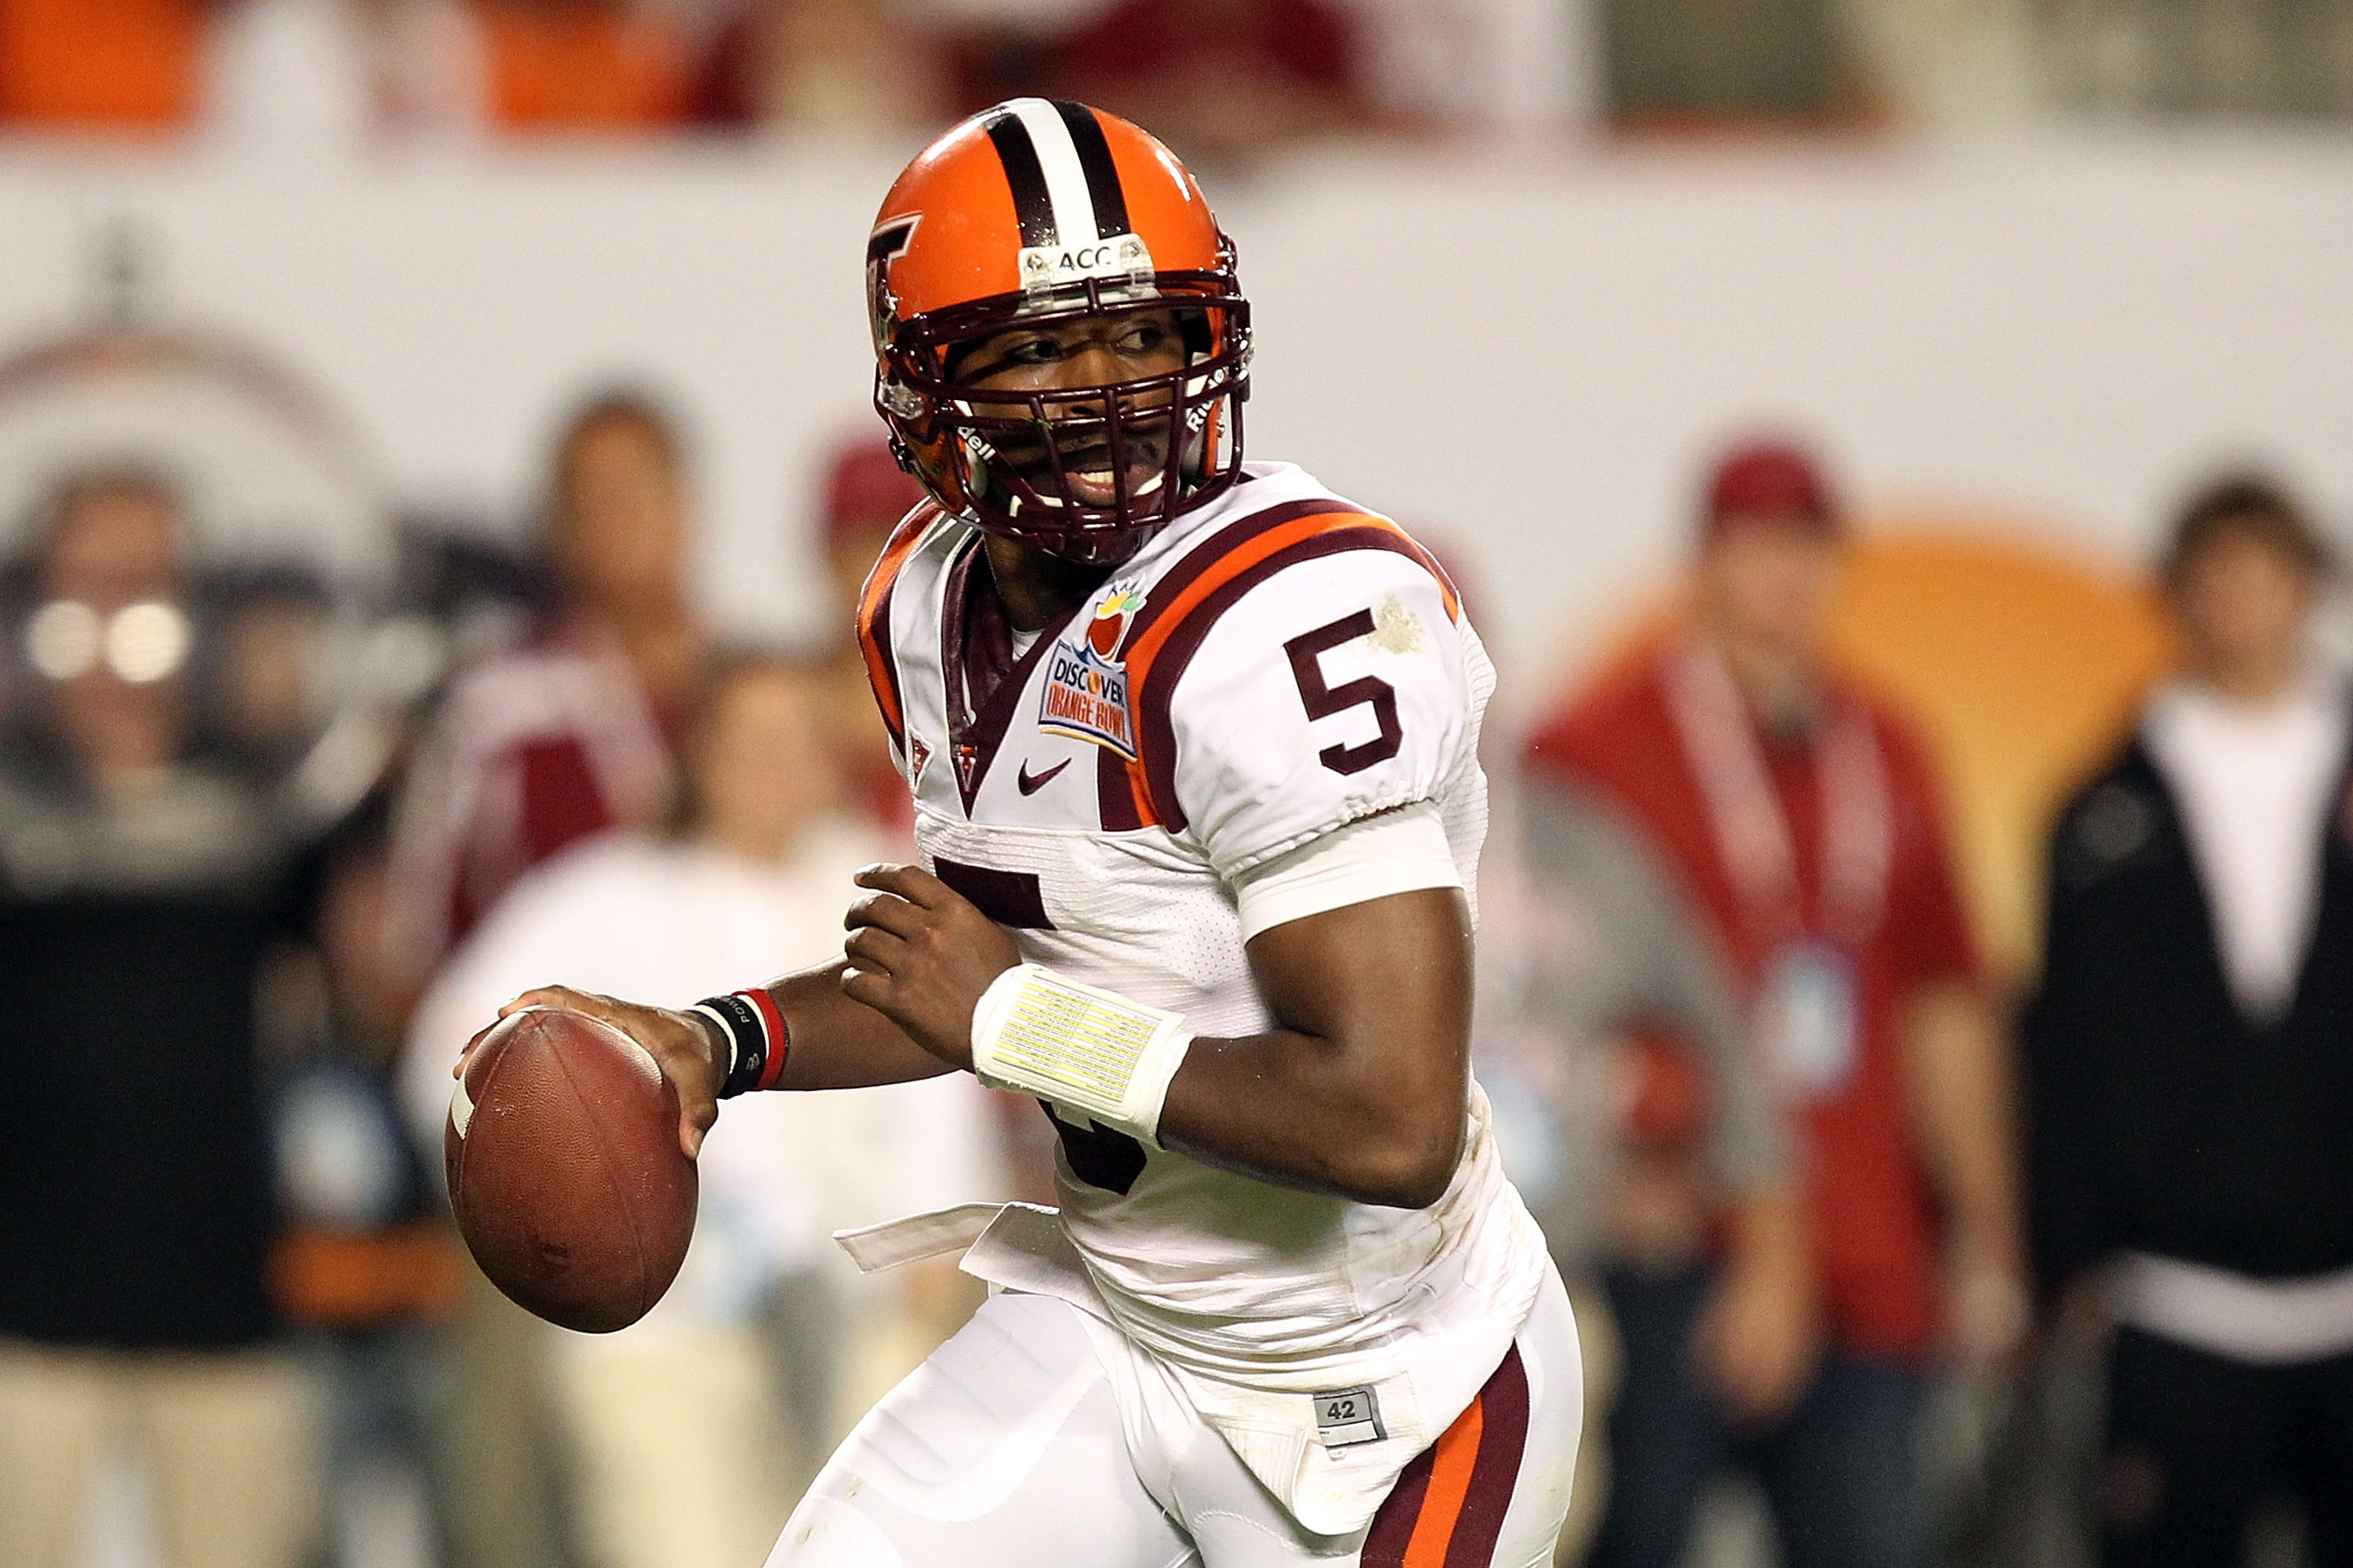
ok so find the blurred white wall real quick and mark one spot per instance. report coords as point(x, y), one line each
point(1525, 355)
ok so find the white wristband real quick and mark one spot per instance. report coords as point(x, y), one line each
point(1078, 1045)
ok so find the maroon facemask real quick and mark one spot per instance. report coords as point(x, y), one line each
point(1160, 445)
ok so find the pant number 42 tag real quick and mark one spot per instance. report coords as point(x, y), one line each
point(1347, 1415)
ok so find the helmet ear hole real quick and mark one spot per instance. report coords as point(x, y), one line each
point(1193, 326)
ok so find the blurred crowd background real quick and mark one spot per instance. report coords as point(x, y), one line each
point(1224, 77)
point(1898, 450)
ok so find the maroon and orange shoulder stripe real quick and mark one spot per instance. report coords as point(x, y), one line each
point(874, 621)
point(1189, 599)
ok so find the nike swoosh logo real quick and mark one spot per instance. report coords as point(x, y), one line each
point(1030, 784)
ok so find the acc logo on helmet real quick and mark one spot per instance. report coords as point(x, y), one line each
point(1049, 266)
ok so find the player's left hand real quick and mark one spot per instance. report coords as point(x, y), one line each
point(921, 955)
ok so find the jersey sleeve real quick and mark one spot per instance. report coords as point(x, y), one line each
point(1339, 687)
point(873, 621)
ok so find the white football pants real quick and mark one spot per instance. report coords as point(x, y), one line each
point(1037, 1438)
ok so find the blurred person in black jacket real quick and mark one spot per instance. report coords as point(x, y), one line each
point(141, 886)
point(2190, 1066)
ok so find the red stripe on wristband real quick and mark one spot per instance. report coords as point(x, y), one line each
point(780, 1039)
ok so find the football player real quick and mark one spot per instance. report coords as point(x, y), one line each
point(1192, 745)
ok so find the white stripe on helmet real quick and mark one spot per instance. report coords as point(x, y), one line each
point(1066, 179)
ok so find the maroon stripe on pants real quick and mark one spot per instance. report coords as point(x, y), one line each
point(1502, 1439)
point(1392, 1529)
point(1479, 1524)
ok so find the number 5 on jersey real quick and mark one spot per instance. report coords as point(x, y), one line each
point(1323, 700)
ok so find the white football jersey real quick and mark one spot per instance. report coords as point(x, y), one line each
point(1269, 667)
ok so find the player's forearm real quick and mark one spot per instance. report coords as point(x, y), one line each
point(1363, 1094)
point(827, 1041)
point(837, 1044)
point(1359, 1090)
point(1311, 1113)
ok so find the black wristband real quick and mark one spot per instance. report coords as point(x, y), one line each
point(747, 1037)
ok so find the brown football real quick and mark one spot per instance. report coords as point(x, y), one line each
point(565, 1170)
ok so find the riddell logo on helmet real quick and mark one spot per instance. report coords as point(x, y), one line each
point(1121, 256)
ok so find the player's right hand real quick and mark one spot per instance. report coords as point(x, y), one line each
point(685, 1051)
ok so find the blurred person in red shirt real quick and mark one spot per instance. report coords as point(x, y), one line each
point(122, 65)
point(568, 733)
point(1800, 818)
point(1224, 79)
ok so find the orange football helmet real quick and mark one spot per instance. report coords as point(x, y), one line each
point(1040, 213)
